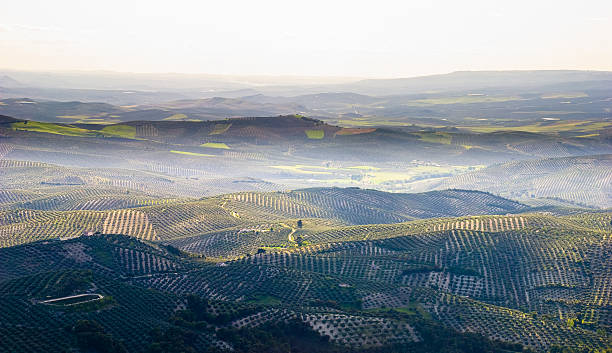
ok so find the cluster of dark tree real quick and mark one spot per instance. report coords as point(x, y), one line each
point(173, 340)
point(197, 314)
point(437, 338)
point(291, 336)
point(90, 337)
point(296, 337)
point(421, 269)
point(460, 271)
point(174, 250)
point(279, 337)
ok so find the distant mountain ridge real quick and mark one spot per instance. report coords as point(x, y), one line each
point(133, 89)
point(477, 80)
point(7, 81)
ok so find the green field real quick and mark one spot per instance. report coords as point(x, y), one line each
point(217, 145)
point(192, 153)
point(436, 137)
point(561, 126)
point(315, 134)
point(564, 95)
point(177, 117)
point(51, 128)
point(124, 131)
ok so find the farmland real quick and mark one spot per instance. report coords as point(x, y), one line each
point(456, 272)
point(288, 229)
point(291, 152)
point(364, 269)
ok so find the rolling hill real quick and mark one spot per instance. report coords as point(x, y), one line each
point(585, 181)
point(147, 236)
point(492, 98)
point(69, 211)
point(517, 279)
point(195, 159)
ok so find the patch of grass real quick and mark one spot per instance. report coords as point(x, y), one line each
point(192, 153)
point(219, 145)
point(124, 131)
point(407, 311)
point(355, 131)
point(435, 137)
point(176, 117)
point(220, 129)
point(315, 134)
point(561, 126)
point(51, 128)
point(564, 95)
point(179, 117)
point(593, 127)
point(588, 135)
point(414, 309)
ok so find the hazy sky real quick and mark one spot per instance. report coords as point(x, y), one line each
point(307, 37)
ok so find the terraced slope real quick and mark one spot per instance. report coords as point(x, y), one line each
point(359, 206)
point(535, 279)
point(583, 180)
point(53, 213)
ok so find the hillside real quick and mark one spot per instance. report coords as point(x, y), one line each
point(357, 206)
point(147, 236)
point(518, 279)
point(32, 216)
point(583, 180)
